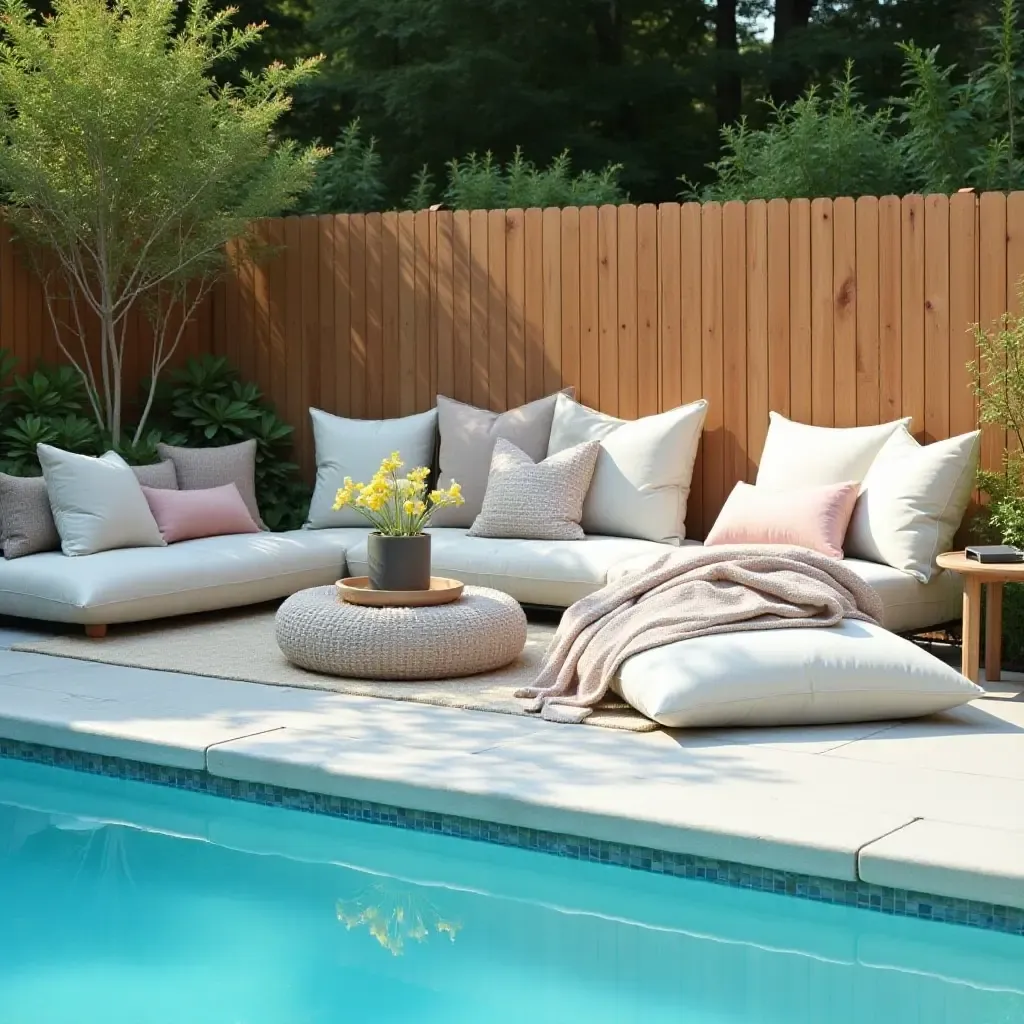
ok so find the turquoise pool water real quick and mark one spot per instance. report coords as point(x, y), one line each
point(122, 903)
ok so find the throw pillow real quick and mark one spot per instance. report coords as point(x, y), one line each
point(468, 435)
point(642, 478)
point(157, 474)
point(97, 504)
point(912, 501)
point(26, 522)
point(802, 455)
point(356, 448)
point(210, 512)
point(536, 501)
point(199, 468)
point(807, 517)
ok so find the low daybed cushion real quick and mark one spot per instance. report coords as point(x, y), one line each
point(540, 572)
point(908, 604)
point(132, 584)
point(853, 672)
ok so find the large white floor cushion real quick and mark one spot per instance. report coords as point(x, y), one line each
point(853, 672)
point(133, 584)
point(542, 572)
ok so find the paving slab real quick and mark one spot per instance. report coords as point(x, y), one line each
point(962, 861)
point(713, 820)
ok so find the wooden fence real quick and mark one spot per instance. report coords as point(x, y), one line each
point(833, 312)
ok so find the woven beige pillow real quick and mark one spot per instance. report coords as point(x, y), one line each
point(530, 500)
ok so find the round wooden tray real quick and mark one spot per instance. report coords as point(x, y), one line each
point(356, 590)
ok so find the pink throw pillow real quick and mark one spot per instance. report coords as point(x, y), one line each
point(207, 512)
point(808, 517)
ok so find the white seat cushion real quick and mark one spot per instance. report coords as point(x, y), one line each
point(132, 584)
point(910, 604)
point(541, 572)
point(853, 672)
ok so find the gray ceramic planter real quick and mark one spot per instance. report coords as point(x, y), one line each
point(399, 563)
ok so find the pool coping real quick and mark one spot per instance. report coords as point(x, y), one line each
point(858, 894)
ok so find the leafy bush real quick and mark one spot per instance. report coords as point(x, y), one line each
point(998, 376)
point(481, 183)
point(348, 179)
point(953, 131)
point(821, 145)
point(205, 404)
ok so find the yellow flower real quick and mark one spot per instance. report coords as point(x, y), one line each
point(392, 464)
point(344, 495)
point(418, 475)
point(455, 493)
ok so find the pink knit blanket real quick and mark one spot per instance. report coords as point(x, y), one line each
point(689, 592)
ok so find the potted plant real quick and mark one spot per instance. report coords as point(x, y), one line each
point(398, 509)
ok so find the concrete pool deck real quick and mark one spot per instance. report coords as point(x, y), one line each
point(935, 805)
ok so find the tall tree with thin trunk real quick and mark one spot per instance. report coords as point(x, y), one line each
point(787, 78)
point(127, 167)
point(728, 82)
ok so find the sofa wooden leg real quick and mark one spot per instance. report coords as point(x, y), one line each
point(96, 632)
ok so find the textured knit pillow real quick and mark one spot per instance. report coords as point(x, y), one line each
point(97, 504)
point(808, 517)
point(210, 512)
point(642, 479)
point(157, 474)
point(26, 522)
point(197, 469)
point(467, 436)
point(912, 501)
point(536, 500)
point(802, 455)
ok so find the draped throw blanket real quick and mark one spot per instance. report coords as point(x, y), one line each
point(684, 593)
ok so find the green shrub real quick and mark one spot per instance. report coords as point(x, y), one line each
point(998, 377)
point(205, 404)
point(821, 145)
point(482, 183)
point(348, 179)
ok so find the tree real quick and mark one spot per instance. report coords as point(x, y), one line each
point(128, 168)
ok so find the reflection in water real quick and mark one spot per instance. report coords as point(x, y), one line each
point(395, 913)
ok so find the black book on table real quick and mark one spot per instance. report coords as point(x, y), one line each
point(994, 553)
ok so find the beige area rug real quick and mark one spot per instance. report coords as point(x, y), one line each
point(240, 645)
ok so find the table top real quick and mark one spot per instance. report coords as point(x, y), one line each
point(957, 561)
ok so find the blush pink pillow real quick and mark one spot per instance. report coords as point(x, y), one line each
point(207, 512)
point(807, 517)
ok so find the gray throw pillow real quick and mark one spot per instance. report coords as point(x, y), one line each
point(158, 474)
point(356, 448)
point(26, 522)
point(531, 500)
point(468, 435)
point(197, 469)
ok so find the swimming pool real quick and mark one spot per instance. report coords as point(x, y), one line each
point(125, 903)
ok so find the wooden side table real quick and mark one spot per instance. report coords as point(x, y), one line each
point(992, 577)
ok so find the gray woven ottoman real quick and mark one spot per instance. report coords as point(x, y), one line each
point(483, 630)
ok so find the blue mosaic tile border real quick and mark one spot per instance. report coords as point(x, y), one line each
point(898, 902)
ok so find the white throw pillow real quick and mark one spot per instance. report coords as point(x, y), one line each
point(97, 504)
point(356, 448)
point(802, 455)
point(642, 479)
point(853, 672)
point(912, 501)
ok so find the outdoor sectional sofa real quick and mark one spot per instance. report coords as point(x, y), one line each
point(634, 510)
point(135, 584)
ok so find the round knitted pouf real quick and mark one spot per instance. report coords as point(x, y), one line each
point(483, 630)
